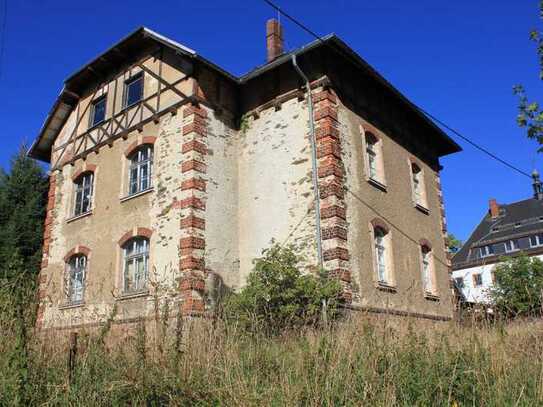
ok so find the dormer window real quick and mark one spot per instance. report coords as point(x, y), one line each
point(98, 111)
point(486, 251)
point(133, 90)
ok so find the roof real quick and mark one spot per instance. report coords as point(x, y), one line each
point(68, 97)
point(515, 220)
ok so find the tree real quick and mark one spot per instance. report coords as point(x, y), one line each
point(530, 112)
point(23, 193)
point(278, 296)
point(453, 244)
point(518, 286)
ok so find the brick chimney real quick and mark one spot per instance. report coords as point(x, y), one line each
point(274, 39)
point(494, 208)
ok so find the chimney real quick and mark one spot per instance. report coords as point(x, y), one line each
point(274, 39)
point(494, 208)
point(538, 187)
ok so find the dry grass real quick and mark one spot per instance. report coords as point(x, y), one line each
point(363, 361)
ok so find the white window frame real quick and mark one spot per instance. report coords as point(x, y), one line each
point(382, 257)
point(486, 251)
point(427, 265)
point(373, 158)
point(511, 247)
point(136, 253)
point(140, 171)
point(539, 240)
point(76, 273)
point(83, 194)
point(418, 186)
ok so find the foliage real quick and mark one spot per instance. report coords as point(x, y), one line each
point(453, 244)
point(278, 296)
point(518, 286)
point(530, 112)
point(23, 193)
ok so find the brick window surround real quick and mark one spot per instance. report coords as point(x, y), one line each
point(136, 232)
point(132, 148)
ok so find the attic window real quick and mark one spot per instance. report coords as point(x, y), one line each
point(133, 90)
point(518, 224)
point(98, 111)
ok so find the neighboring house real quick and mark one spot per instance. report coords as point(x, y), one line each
point(505, 231)
point(169, 176)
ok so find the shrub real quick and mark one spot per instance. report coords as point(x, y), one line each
point(518, 287)
point(279, 297)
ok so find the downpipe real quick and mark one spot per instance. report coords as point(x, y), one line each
point(313, 161)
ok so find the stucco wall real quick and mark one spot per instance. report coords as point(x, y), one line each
point(406, 223)
point(275, 194)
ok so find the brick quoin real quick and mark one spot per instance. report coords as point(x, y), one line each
point(338, 253)
point(334, 232)
point(194, 183)
point(324, 112)
point(192, 263)
point(196, 128)
point(196, 110)
point(192, 242)
point(333, 211)
point(324, 95)
point(193, 165)
point(332, 188)
point(194, 145)
point(192, 221)
point(192, 202)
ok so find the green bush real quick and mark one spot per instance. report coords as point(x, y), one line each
point(279, 297)
point(518, 287)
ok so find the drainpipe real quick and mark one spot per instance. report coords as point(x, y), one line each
point(313, 161)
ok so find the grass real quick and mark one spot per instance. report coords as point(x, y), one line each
point(362, 361)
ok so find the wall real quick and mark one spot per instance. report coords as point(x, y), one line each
point(407, 224)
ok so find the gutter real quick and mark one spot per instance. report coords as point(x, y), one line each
point(313, 161)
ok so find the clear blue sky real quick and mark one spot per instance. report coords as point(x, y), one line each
point(458, 60)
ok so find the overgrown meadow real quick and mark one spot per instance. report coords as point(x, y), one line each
point(360, 360)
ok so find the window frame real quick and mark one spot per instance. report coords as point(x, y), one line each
point(382, 257)
point(460, 283)
point(134, 257)
point(139, 164)
point(127, 83)
point(475, 277)
point(539, 240)
point(428, 272)
point(79, 194)
point(487, 252)
point(70, 272)
point(515, 247)
point(92, 116)
point(373, 154)
point(418, 185)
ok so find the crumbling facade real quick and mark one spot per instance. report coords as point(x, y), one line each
point(169, 176)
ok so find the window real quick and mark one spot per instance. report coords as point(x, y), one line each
point(75, 283)
point(459, 282)
point(381, 255)
point(536, 240)
point(374, 164)
point(417, 184)
point(83, 194)
point(427, 269)
point(141, 165)
point(136, 265)
point(133, 90)
point(486, 251)
point(511, 246)
point(98, 111)
point(477, 280)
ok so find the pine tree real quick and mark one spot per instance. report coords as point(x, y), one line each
point(23, 193)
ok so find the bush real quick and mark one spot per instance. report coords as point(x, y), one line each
point(279, 297)
point(518, 287)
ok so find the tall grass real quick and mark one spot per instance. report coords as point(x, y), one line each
point(362, 361)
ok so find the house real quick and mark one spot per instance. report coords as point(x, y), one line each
point(169, 175)
point(505, 231)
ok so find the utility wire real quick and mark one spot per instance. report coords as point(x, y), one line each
point(424, 112)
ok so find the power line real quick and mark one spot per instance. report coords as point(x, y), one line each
point(424, 112)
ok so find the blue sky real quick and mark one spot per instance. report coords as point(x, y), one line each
point(458, 60)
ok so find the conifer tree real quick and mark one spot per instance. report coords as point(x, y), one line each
point(23, 193)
